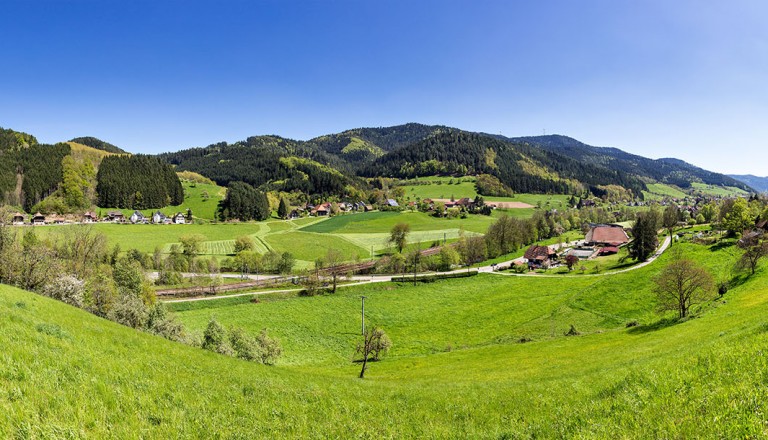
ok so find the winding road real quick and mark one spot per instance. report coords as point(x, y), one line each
point(358, 280)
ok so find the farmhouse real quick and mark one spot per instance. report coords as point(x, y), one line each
point(540, 256)
point(114, 216)
point(179, 219)
point(38, 219)
point(321, 210)
point(18, 219)
point(90, 217)
point(606, 235)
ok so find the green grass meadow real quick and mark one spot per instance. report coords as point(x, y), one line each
point(457, 368)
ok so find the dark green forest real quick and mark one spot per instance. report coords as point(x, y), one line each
point(243, 202)
point(269, 163)
point(98, 144)
point(37, 167)
point(521, 167)
point(137, 182)
point(671, 171)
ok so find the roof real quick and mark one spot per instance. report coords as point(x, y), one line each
point(607, 234)
point(609, 250)
point(536, 252)
point(392, 202)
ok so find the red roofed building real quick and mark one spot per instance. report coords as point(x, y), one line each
point(540, 256)
point(606, 235)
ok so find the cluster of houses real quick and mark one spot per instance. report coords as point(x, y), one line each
point(601, 240)
point(328, 208)
point(137, 217)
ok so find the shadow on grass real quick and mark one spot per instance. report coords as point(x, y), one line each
point(722, 244)
point(658, 325)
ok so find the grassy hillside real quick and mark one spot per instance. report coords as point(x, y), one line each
point(456, 369)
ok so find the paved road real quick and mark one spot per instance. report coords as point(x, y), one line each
point(358, 280)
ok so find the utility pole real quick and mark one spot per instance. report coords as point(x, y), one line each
point(362, 313)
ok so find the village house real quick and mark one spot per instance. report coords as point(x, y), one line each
point(137, 217)
point(159, 218)
point(18, 219)
point(38, 219)
point(115, 217)
point(540, 256)
point(392, 202)
point(179, 219)
point(321, 210)
point(90, 217)
point(606, 235)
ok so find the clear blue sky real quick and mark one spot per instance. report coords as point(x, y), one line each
point(687, 79)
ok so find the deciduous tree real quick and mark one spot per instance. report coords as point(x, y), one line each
point(682, 284)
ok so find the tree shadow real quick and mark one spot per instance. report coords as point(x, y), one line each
point(658, 325)
point(722, 244)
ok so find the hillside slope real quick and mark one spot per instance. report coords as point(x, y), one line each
point(671, 171)
point(520, 166)
point(65, 373)
point(758, 183)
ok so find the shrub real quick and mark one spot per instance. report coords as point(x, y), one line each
point(130, 311)
point(572, 331)
point(66, 288)
point(269, 348)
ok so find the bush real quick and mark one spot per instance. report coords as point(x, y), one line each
point(130, 311)
point(572, 331)
point(161, 323)
point(66, 288)
point(269, 348)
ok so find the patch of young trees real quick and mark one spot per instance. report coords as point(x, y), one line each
point(237, 343)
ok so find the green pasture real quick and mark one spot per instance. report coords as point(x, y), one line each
point(723, 191)
point(382, 222)
point(457, 368)
point(658, 191)
point(202, 207)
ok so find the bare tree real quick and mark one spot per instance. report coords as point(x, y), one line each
point(333, 266)
point(375, 344)
point(682, 284)
point(754, 247)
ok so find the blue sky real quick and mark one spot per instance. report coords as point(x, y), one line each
point(686, 79)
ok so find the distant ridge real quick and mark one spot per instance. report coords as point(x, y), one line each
point(760, 184)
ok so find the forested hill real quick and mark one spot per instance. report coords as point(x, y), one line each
point(361, 146)
point(672, 171)
point(270, 162)
point(758, 183)
point(520, 166)
point(11, 140)
point(98, 144)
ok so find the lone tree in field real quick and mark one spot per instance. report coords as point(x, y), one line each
point(754, 247)
point(644, 233)
point(282, 209)
point(375, 344)
point(333, 266)
point(398, 236)
point(682, 284)
point(669, 220)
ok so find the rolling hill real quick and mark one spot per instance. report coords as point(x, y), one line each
point(758, 183)
point(98, 144)
point(667, 170)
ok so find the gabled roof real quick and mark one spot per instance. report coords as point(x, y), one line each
point(536, 252)
point(607, 234)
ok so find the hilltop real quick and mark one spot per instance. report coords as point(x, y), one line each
point(525, 164)
point(98, 144)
